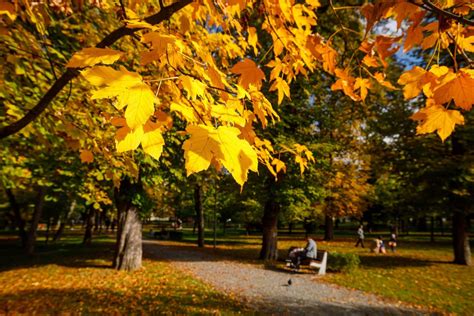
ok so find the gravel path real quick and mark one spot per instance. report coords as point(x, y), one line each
point(268, 292)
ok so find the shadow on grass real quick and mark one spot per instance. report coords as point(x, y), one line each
point(104, 301)
point(63, 254)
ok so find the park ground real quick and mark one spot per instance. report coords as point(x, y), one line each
point(69, 277)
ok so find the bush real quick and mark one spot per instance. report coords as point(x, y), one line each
point(343, 262)
point(174, 235)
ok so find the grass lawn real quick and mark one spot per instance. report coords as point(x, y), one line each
point(419, 273)
point(69, 278)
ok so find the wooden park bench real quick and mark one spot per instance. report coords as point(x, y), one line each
point(319, 263)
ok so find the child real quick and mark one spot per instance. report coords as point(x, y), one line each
point(381, 245)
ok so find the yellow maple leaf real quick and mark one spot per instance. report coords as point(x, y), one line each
point(458, 87)
point(128, 139)
point(129, 90)
point(92, 56)
point(253, 39)
point(193, 87)
point(249, 73)
point(187, 112)
point(437, 118)
point(86, 156)
point(152, 140)
point(227, 114)
point(279, 165)
point(222, 144)
point(282, 87)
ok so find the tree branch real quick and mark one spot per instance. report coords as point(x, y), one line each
point(71, 73)
point(427, 5)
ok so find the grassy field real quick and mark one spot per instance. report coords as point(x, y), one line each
point(418, 273)
point(68, 278)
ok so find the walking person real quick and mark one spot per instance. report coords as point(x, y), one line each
point(360, 233)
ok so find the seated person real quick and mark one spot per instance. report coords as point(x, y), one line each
point(298, 254)
point(392, 243)
point(379, 246)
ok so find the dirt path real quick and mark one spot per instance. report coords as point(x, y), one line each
point(267, 291)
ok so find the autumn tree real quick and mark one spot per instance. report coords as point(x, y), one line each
point(195, 60)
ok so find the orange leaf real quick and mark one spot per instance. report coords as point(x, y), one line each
point(86, 156)
point(249, 73)
point(458, 87)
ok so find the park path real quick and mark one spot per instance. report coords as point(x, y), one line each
point(267, 291)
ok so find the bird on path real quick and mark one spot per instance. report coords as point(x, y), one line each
point(289, 282)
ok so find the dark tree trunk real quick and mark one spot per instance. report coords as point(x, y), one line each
point(432, 237)
point(48, 229)
point(128, 249)
point(462, 251)
point(31, 237)
point(19, 222)
point(96, 221)
point(64, 221)
point(421, 224)
point(290, 228)
point(269, 249)
point(441, 225)
point(199, 215)
point(89, 225)
point(328, 228)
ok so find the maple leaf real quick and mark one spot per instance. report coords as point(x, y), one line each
point(458, 87)
point(128, 139)
point(282, 87)
point(249, 73)
point(364, 85)
point(86, 156)
point(222, 144)
point(193, 87)
point(412, 81)
point(92, 56)
point(152, 141)
point(279, 165)
point(437, 118)
point(129, 90)
point(253, 39)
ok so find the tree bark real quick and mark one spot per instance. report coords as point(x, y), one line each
point(199, 215)
point(128, 248)
point(19, 222)
point(31, 237)
point(64, 221)
point(269, 249)
point(89, 225)
point(432, 238)
point(462, 251)
point(328, 228)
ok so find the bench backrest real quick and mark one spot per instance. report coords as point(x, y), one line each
point(320, 255)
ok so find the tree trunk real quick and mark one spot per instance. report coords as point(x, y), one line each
point(19, 222)
point(63, 223)
point(199, 215)
point(462, 251)
point(328, 228)
point(128, 255)
point(290, 228)
point(128, 249)
point(48, 228)
point(31, 237)
point(432, 238)
point(89, 225)
point(269, 249)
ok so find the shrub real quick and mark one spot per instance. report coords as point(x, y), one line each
point(343, 262)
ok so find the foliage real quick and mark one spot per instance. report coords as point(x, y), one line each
point(201, 70)
point(343, 262)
